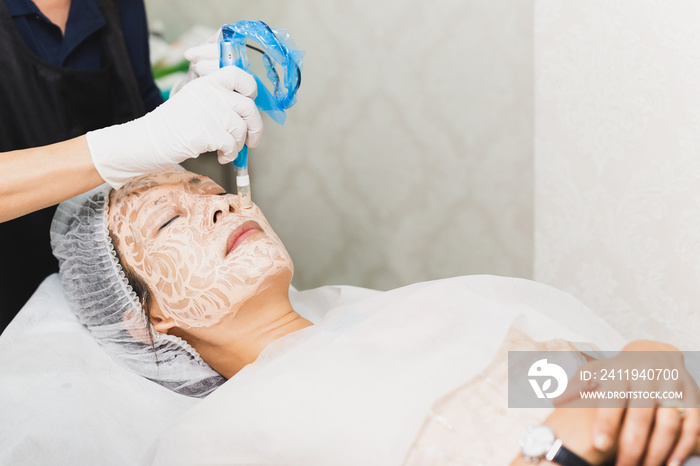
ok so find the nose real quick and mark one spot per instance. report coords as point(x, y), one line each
point(220, 206)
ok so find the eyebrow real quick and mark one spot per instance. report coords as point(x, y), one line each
point(124, 196)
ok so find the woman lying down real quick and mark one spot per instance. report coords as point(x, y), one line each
point(182, 286)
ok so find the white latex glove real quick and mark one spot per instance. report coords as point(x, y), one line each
point(206, 115)
point(204, 60)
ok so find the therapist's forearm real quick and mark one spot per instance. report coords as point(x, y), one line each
point(31, 179)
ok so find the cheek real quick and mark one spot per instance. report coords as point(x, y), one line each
point(183, 269)
point(196, 286)
point(173, 258)
point(165, 265)
point(134, 252)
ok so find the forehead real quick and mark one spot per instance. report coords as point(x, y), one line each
point(142, 188)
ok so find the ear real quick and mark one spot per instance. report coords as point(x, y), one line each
point(134, 323)
point(159, 321)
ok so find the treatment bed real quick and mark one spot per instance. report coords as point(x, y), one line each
point(325, 393)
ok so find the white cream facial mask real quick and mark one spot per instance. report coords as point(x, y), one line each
point(200, 254)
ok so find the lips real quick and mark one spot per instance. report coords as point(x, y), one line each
point(240, 234)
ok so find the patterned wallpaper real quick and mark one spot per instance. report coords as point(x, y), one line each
point(410, 153)
point(617, 199)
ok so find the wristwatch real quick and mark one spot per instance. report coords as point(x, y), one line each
point(540, 442)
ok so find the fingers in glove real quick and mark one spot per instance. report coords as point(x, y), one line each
point(202, 52)
point(235, 79)
point(228, 148)
point(205, 67)
point(248, 112)
point(239, 134)
point(226, 157)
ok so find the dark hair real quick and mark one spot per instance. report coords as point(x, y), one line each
point(140, 287)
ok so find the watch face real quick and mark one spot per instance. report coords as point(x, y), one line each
point(537, 441)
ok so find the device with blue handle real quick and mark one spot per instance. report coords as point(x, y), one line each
point(279, 53)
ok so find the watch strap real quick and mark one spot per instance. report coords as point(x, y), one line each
point(561, 455)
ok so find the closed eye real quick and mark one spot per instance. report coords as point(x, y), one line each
point(222, 194)
point(168, 222)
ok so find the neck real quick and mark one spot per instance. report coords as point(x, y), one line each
point(239, 339)
point(56, 11)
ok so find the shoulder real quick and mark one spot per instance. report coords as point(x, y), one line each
point(131, 10)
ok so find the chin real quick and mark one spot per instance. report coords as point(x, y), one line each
point(282, 279)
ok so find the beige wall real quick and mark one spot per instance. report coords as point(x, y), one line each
point(410, 153)
point(389, 86)
point(618, 160)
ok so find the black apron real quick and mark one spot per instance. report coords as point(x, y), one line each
point(41, 104)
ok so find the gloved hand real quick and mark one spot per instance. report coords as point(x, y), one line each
point(205, 115)
point(204, 60)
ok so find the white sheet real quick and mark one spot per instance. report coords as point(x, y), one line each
point(355, 388)
point(63, 401)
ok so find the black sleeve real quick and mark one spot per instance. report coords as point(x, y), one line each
point(135, 27)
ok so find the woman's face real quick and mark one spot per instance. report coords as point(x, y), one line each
point(200, 254)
